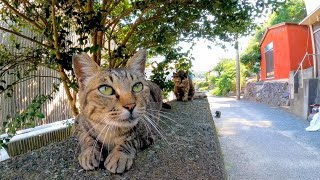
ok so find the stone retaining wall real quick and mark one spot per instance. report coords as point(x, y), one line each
point(274, 93)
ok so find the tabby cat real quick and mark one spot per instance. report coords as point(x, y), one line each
point(118, 112)
point(183, 87)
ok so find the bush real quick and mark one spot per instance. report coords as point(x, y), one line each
point(225, 80)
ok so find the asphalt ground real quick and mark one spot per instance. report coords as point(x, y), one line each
point(262, 142)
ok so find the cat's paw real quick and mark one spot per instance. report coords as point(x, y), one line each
point(118, 162)
point(185, 99)
point(89, 159)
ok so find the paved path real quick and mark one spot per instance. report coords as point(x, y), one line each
point(263, 142)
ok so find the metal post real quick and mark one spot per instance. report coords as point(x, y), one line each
point(315, 64)
point(237, 68)
point(302, 74)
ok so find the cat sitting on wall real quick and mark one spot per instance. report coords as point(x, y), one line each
point(119, 110)
point(183, 87)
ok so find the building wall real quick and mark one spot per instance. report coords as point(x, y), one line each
point(280, 51)
point(290, 44)
point(299, 43)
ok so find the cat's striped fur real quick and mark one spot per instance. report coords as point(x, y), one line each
point(114, 125)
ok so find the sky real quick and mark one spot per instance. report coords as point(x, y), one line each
point(206, 58)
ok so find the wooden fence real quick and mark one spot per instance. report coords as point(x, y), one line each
point(24, 92)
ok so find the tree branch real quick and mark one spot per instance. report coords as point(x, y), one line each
point(26, 78)
point(64, 79)
point(25, 37)
point(21, 15)
point(55, 32)
point(38, 15)
point(131, 31)
point(116, 20)
point(140, 21)
point(62, 74)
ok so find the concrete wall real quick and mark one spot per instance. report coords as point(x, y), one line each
point(309, 94)
point(307, 74)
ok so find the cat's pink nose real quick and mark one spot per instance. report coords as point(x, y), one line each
point(130, 107)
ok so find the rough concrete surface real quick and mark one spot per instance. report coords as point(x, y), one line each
point(191, 151)
point(260, 142)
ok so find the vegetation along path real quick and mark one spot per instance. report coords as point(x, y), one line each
point(263, 142)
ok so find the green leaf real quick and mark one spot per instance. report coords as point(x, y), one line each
point(40, 115)
point(94, 48)
point(31, 112)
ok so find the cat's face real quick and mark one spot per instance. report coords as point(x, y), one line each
point(180, 79)
point(116, 97)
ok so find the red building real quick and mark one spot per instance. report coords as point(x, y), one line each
point(283, 47)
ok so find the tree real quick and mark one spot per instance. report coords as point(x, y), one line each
point(225, 77)
point(113, 30)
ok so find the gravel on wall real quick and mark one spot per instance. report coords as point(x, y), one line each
point(190, 150)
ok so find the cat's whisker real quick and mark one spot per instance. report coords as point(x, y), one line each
point(147, 128)
point(161, 113)
point(158, 118)
point(168, 118)
point(79, 143)
point(96, 142)
point(103, 142)
point(156, 127)
point(170, 127)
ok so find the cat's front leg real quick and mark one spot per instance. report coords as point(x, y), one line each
point(185, 95)
point(120, 158)
point(89, 157)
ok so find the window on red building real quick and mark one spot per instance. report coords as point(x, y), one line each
point(269, 60)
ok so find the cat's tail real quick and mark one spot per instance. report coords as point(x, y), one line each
point(166, 106)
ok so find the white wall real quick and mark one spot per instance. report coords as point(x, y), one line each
point(312, 5)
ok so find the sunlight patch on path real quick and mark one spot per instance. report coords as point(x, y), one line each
point(230, 125)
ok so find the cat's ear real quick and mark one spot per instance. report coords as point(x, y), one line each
point(174, 74)
point(84, 67)
point(138, 62)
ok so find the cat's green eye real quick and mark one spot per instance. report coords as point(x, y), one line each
point(137, 87)
point(106, 90)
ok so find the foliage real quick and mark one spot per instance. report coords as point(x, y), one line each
point(291, 11)
point(15, 68)
point(256, 67)
point(225, 78)
point(174, 61)
point(202, 85)
point(251, 55)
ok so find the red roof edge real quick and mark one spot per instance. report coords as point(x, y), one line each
point(276, 26)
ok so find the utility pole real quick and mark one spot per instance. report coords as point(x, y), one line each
point(237, 68)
